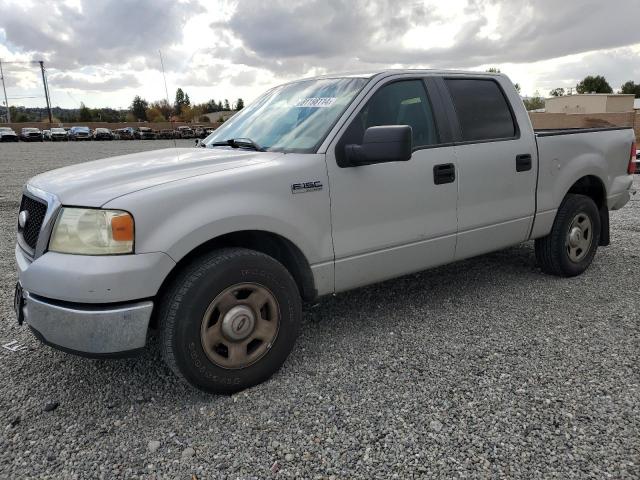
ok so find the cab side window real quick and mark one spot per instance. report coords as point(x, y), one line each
point(398, 103)
point(483, 111)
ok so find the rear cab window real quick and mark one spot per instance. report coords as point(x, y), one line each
point(482, 109)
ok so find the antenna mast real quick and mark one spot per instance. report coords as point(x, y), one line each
point(166, 92)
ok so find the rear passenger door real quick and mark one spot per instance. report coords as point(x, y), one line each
point(496, 164)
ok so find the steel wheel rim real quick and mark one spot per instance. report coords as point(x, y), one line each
point(240, 325)
point(579, 237)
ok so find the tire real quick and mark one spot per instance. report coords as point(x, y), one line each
point(567, 252)
point(209, 301)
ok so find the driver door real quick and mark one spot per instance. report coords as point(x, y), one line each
point(390, 219)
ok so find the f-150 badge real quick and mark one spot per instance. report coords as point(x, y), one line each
point(305, 187)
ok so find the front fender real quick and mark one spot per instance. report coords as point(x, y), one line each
point(177, 217)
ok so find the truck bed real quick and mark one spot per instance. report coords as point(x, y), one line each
point(601, 154)
point(550, 132)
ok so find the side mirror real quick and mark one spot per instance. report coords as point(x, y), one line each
point(386, 143)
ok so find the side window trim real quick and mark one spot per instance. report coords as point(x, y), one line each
point(453, 114)
point(442, 126)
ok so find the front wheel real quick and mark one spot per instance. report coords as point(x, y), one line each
point(229, 320)
point(570, 247)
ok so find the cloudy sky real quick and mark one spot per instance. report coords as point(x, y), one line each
point(103, 52)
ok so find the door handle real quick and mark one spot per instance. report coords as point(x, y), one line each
point(444, 173)
point(523, 162)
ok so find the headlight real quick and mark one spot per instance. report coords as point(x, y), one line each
point(88, 231)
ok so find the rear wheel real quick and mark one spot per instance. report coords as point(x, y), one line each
point(570, 247)
point(229, 320)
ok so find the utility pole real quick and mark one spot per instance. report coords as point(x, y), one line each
point(6, 102)
point(46, 90)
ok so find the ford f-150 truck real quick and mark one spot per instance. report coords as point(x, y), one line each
point(319, 186)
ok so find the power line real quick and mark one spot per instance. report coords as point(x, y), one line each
point(6, 101)
point(44, 83)
point(46, 89)
point(21, 61)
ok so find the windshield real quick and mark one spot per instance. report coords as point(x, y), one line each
point(292, 118)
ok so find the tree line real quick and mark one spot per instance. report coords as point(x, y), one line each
point(139, 111)
point(181, 110)
point(599, 84)
point(589, 84)
point(21, 114)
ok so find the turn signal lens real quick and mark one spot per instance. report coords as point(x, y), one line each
point(632, 160)
point(122, 228)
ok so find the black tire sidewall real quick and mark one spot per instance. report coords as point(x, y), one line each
point(575, 205)
point(196, 293)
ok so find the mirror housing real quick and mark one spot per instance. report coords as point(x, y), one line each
point(386, 143)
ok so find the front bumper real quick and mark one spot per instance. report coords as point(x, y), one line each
point(91, 305)
point(93, 279)
point(90, 330)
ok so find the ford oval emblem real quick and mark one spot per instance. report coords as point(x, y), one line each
point(22, 218)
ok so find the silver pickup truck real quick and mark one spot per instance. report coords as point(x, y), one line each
point(320, 186)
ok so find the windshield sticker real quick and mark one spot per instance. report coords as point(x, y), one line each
point(315, 102)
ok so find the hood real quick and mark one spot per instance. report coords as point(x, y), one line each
point(93, 184)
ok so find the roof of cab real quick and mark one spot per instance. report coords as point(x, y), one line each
point(388, 72)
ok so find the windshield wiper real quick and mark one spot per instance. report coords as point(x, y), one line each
point(238, 143)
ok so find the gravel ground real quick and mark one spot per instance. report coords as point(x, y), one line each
point(483, 368)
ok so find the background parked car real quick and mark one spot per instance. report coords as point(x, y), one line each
point(637, 162)
point(185, 132)
point(166, 134)
point(31, 135)
point(145, 133)
point(102, 134)
point(8, 135)
point(127, 133)
point(79, 133)
point(199, 131)
point(46, 134)
point(59, 134)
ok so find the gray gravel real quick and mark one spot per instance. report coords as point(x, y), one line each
point(484, 368)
